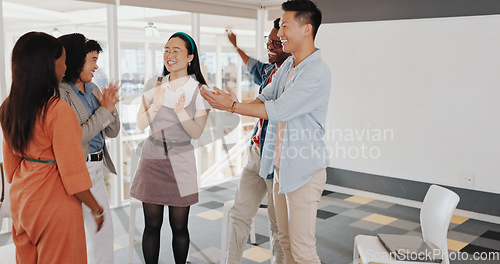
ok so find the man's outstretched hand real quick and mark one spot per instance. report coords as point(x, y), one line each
point(219, 99)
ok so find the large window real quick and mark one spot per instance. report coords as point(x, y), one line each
point(140, 57)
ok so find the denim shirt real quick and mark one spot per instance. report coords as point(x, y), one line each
point(261, 73)
point(91, 104)
point(303, 105)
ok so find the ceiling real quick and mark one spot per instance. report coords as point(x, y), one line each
point(21, 16)
point(237, 8)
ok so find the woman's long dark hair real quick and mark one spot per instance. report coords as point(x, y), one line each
point(195, 63)
point(34, 87)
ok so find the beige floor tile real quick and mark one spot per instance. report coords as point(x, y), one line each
point(257, 254)
point(456, 245)
point(359, 199)
point(116, 247)
point(380, 219)
point(456, 219)
point(211, 214)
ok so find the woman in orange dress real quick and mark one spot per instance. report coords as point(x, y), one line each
point(43, 158)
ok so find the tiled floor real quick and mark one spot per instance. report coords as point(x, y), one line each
point(340, 218)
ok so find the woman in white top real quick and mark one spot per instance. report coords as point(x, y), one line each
point(176, 113)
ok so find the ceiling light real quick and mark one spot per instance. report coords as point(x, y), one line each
point(55, 32)
point(151, 31)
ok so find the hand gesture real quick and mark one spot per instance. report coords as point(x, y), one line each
point(99, 218)
point(219, 99)
point(232, 37)
point(232, 94)
point(109, 97)
point(179, 106)
point(159, 95)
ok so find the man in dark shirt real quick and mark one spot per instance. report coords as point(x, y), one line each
point(252, 187)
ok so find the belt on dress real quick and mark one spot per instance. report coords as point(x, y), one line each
point(98, 156)
point(40, 161)
point(169, 144)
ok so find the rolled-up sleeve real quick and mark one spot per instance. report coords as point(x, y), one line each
point(269, 92)
point(302, 96)
point(251, 63)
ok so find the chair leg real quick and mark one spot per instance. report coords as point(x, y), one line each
point(131, 233)
point(271, 246)
point(355, 257)
point(252, 233)
point(225, 230)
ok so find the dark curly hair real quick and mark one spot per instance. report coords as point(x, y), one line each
point(77, 47)
point(277, 23)
point(307, 12)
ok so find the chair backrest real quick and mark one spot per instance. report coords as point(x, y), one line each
point(435, 216)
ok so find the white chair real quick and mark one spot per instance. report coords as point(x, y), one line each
point(226, 229)
point(134, 205)
point(435, 216)
point(7, 252)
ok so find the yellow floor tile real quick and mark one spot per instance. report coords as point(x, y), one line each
point(358, 199)
point(456, 245)
point(380, 219)
point(456, 219)
point(361, 262)
point(211, 214)
point(257, 254)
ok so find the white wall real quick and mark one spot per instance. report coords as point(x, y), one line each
point(433, 85)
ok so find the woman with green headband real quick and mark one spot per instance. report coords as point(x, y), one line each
point(175, 112)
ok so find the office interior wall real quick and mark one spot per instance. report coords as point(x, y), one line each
point(419, 97)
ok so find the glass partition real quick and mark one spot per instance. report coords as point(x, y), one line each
point(141, 57)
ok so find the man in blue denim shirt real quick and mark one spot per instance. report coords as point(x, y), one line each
point(252, 187)
point(296, 104)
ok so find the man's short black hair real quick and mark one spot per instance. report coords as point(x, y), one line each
point(277, 23)
point(307, 12)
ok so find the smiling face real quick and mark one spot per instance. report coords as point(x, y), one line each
point(275, 52)
point(89, 67)
point(176, 57)
point(60, 66)
point(291, 32)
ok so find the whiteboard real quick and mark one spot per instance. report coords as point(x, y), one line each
point(420, 99)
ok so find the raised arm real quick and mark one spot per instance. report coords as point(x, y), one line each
point(232, 38)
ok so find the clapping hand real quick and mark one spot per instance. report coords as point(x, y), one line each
point(219, 99)
point(109, 97)
point(159, 95)
point(179, 106)
point(232, 94)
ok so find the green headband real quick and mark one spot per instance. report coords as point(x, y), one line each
point(187, 36)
